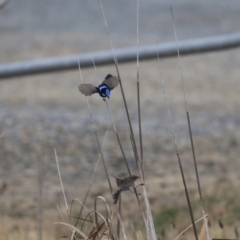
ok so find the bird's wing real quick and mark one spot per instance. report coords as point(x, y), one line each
point(111, 81)
point(120, 178)
point(87, 89)
point(122, 175)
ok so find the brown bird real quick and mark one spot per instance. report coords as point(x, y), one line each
point(124, 182)
point(104, 89)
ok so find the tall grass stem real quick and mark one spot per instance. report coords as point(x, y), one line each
point(178, 156)
point(60, 178)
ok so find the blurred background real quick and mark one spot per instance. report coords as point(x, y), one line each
point(42, 112)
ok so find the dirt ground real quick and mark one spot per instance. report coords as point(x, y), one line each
point(42, 112)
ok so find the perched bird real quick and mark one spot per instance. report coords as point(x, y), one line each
point(124, 182)
point(104, 89)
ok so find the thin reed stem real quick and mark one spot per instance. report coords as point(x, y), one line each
point(180, 234)
point(120, 214)
point(122, 151)
point(99, 147)
point(40, 198)
point(91, 180)
point(123, 95)
point(60, 179)
point(59, 210)
point(190, 129)
point(122, 227)
point(186, 192)
point(113, 124)
point(138, 98)
point(96, 135)
point(206, 225)
point(187, 112)
point(178, 157)
point(118, 139)
point(132, 230)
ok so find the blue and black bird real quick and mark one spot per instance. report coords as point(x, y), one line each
point(104, 89)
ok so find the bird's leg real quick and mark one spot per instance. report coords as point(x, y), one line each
point(141, 184)
point(134, 191)
point(135, 187)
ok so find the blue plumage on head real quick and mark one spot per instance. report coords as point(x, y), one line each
point(104, 90)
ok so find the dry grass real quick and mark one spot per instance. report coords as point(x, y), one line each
point(215, 146)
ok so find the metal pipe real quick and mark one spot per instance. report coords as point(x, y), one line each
point(123, 55)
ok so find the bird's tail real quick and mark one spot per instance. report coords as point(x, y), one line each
point(116, 196)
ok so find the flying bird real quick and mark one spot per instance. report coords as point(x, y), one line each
point(104, 89)
point(124, 183)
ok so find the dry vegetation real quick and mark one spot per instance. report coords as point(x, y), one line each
point(35, 124)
